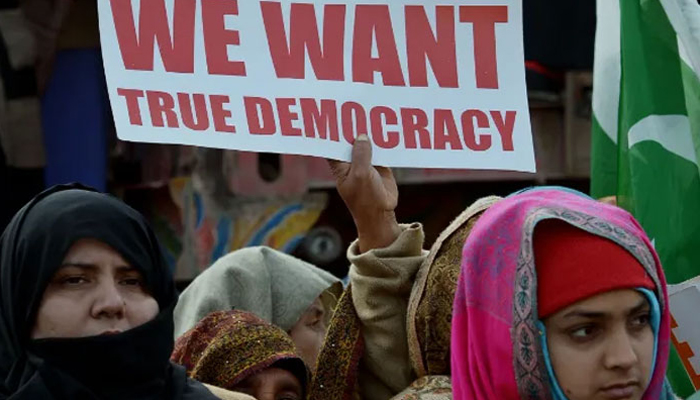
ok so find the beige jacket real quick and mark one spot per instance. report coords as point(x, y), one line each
point(382, 280)
point(387, 287)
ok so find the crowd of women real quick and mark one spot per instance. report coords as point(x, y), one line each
point(544, 294)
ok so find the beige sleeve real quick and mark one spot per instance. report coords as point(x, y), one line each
point(382, 280)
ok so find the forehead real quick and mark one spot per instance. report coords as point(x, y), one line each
point(93, 252)
point(317, 305)
point(617, 302)
point(272, 378)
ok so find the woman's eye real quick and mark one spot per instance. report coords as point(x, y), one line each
point(288, 396)
point(583, 333)
point(641, 320)
point(73, 280)
point(132, 282)
point(317, 325)
point(315, 319)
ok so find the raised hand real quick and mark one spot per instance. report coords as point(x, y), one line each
point(371, 195)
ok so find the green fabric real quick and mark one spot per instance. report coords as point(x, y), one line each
point(648, 157)
point(275, 286)
point(604, 165)
point(677, 377)
point(691, 81)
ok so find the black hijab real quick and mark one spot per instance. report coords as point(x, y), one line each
point(132, 365)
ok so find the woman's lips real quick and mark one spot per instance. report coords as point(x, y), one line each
point(110, 333)
point(619, 392)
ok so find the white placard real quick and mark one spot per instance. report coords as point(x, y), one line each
point(684, 300)
point(434, 85)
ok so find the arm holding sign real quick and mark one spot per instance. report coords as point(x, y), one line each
point(384, 260)
point(371, 195)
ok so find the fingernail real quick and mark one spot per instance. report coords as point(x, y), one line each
point(363, 138)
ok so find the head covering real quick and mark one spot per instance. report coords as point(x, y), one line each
point(227, 347)
point(336, 375)
point(133, 364)
point(573, 265)
point(274, 286)
point(430, 387)
point(496, 351)
point(430, 304)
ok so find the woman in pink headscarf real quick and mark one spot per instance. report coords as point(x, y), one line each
point(560, 297)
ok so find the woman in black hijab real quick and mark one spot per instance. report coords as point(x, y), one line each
point(86, 303)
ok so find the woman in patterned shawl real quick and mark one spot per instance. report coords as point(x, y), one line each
point(559, 297)
point(390, 335)
point(238, 351)
point(430, 308)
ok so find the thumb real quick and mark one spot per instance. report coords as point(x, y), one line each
point(362, 153)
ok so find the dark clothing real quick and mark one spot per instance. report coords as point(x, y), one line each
point(130, 365)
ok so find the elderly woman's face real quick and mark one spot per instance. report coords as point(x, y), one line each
point(94, 292)
point(309, 332)
point(272, 384)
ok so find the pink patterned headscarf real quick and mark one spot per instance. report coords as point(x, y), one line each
point(496, 352)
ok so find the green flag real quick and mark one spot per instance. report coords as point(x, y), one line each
point(646, 128)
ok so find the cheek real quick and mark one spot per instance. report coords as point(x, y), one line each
point(301, 336)
point(308, 342)
point(574, 369)
point(61, 318)
point(141, 310)
point(312, 339)
point(645, 351)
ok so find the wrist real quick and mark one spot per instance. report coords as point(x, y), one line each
point(378, 231)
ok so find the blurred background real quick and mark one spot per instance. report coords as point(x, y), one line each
point(56, 127)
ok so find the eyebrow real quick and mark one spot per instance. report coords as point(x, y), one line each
point(644, 303)
point(250, 383)
point(291, 384)
point(317, 309)
point(596, 314)
point(288, 383)
point(94, 267)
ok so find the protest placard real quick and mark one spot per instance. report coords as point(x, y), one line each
point(434, 85)
point(684, 300)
